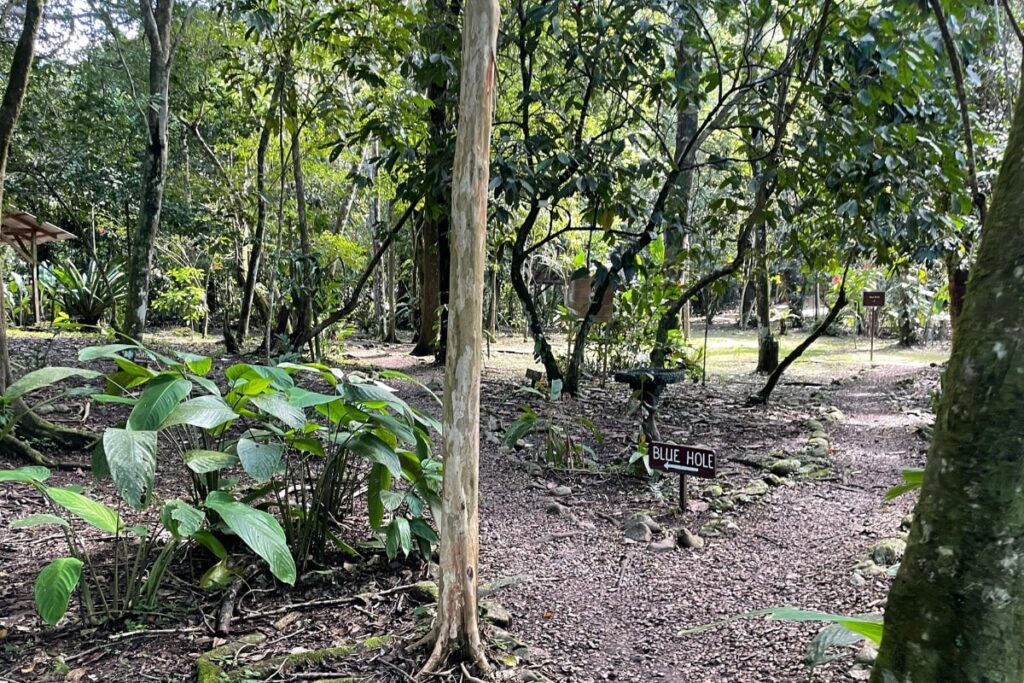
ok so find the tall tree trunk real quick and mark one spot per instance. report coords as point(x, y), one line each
point(430, 288)
point(956, 609)
point(391, 334)
point(260, 232)
point(156, 23)
point(304, 305)
point(10, 109)
point(767, 345)
point(457, 621)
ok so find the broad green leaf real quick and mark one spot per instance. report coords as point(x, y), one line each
point(260, 461)
point(131, 458)
point(392, 500)
point(202, 462)
point(301, 398)
point(97, 514)
point(277, 406)
point(111, 398)
point(25, 474)
point(181, 519)
point(105, 351)
point(39, 520)
point(44, 377)
point(217, 576)
point(371, 447)
point(913, 478)
point(133, 369)
point(159, 399)
point(422, 530)
point(404, 535)
point(54, 586)
point(205, 412)
point(196, 363)
point(833, 635)
point(211, 543)
point(260, 531)
point(869, 626)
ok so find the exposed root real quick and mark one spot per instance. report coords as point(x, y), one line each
point(31, 425)
point(19, 450)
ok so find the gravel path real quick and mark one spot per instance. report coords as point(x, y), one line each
point(602, 609)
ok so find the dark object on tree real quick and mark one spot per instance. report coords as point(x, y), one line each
point(649, 383)
point(533, 376)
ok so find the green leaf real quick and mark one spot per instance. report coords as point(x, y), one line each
point(869, 626)
point(217, 576)
point(260, 531)
point(196, 363)
point(131, 458)
point(404, 535)
point(378, 482)
point(181, 519)
point(39, 520)
point(422, 530)
point(211, 543)
point(25, 474)
point(205, 412)
point(301, 398)
point(392, 500)
point(202, 462)
point(157, 402)
point(53, 588)
point(913, 478)
point(260, 461)
point(97, 514)
point(372, 448)
point(833, 635)
point(105, 351)
point(277, 406)
point(44, 377)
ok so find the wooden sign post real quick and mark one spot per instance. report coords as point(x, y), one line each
point(873, 301)
point(669, 457)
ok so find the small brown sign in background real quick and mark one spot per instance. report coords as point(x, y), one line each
point(873, 299)
point(670, 457)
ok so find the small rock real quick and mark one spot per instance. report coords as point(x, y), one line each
point(688, 539)
point(819, 435)
point(495, 613)
point(774, 480)
point(646, 520)
point(867, 654)
point(859, 674)
point(723, 504)
point(785, 467)
point(561, 491)
point(833, 414)
point(815, 425)
point(857, 580)
point(531, 676)
point(818, 441)
point(888, 551)
point(713, 491)
point(639, 532)
point(664, 545)
point(425, 591)
point(534, 469)
point(816, 450)
point(757, 487)
point(555, 508)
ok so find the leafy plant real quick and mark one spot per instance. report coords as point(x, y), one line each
point(86, 296)
point(185, 297)
point(561, 447)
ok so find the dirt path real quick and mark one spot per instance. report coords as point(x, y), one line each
point(600, 609)
point(595, 607)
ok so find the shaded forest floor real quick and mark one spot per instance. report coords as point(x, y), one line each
point(588, 594)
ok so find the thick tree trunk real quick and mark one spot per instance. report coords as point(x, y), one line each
point(956, 609)
point(304, 306)
point(457, 621)
point(767, 344)
point(157, 27)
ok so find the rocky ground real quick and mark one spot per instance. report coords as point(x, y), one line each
point(592, 573)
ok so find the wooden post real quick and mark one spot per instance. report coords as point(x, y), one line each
point(34, 268)
point(682, 493)
point(871, 331)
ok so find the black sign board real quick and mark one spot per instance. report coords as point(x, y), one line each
point(873, 299)
point(670, 457)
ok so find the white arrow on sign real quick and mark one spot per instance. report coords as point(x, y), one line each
point(681, 468)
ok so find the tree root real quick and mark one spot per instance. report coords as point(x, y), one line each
point(31, 425)
point(211, 667)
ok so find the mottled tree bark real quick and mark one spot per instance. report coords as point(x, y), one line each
point(457, 620)
point(956, 609)
point(156, 24)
